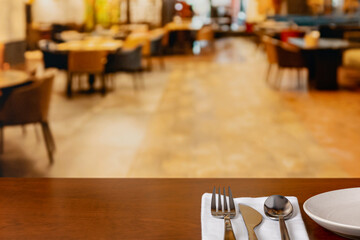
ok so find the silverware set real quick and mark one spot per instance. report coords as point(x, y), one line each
point(276, 207)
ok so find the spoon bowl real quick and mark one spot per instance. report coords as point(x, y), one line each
point(279, 208)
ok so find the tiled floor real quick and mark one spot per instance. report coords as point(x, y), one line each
point(207, 116)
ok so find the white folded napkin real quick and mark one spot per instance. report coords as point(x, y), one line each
point(213, 228)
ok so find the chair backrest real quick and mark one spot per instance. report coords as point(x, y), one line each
point(87, 61)
point(289, 56)
point(29, 103)
point(270, 49)
point(14, 52)
point(139, 38)
point(331, 31)
point(156, 46)
point(125, 60)
point(53, 59)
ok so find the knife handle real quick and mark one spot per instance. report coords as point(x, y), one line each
point(229, 233)
point(252, 235)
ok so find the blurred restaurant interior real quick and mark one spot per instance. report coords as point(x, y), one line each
point(180, 88)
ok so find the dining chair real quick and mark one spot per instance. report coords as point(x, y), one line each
point(140, 38)
point(349, 72)
point(271, 53)
point(14, 54)
point(29, 104)
point(86, 62)
point(157, 50)
point(128, 61)
point(51, 57)
point(289, 57)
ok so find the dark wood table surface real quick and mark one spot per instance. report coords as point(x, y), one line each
point(133, 208)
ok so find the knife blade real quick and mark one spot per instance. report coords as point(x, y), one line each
point(252, 219)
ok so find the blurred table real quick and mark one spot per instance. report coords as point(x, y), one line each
point(324, 60)
point(324, 44)
point(180, 26)
point(91, 45)
point(134, 208)
point(12, 78)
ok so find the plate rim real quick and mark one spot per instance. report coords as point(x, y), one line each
point(313, 216)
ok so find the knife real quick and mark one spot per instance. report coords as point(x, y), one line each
point(252, 219)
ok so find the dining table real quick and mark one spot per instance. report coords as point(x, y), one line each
point(12, 78)
point(142, 208)
point(91, 44)
point(323, 60)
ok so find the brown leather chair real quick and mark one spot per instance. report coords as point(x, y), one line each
point(29, 104)
point(126, 60)
point(271, 53)
point(289, 57)
point(157, 50)
point(86, 62)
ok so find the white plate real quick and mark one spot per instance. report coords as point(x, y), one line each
point(337, 211)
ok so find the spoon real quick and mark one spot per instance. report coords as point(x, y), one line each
point(279, 208)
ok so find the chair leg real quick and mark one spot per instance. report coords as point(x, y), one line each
point(1, 139)
point(112, 81)
point(69, 85)
point(299, 78)
point(135, 80)
point(23, 127)
point(149, 63)
point(162, 62)
point(103, 82)
point(141, 78)
point(279, 77)
point(48, 141)
point(36, 133)
point(268, 73)
point(50, 136)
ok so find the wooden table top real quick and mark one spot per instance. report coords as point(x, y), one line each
point(133, 208)
point(91, 45)
point(181, 26)
point(12, 78)
point(324, 44)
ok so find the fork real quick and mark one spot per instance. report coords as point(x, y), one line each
point(224, 213)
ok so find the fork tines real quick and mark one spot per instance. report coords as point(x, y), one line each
point(218, 210)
